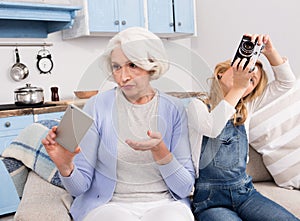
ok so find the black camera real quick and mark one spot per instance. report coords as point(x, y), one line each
point(247, 49)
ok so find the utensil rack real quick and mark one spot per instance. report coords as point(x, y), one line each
point(25, 44)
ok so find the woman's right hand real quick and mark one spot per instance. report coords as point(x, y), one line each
point(62, 157)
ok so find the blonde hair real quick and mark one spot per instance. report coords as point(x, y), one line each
point(216, 92)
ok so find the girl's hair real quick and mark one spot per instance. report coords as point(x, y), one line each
point(216, 93)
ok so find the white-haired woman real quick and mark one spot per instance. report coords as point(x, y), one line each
point(135, 161)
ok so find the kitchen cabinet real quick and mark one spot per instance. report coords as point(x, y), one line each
point(10, 128)
point(115, 16)
point(166, 18)
point(106, 17)
point(34, 20)
point(171, 17)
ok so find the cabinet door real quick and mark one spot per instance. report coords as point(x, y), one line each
point(10, 127)
point(184, 16)
point(160, 16)
point(131, 13)
point(115, 15)
point(102, 16)
point(171, 16)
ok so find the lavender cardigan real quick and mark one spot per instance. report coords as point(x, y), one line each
point(93, 180)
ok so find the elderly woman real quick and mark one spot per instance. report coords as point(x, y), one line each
point(135, 161)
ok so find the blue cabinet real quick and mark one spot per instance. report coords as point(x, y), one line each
point(170, 17)
point(49, 116)
point(167, 18)
point(32, 20)
point(10, 128)
point(114, 15)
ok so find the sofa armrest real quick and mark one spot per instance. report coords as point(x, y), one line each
point(43, 201)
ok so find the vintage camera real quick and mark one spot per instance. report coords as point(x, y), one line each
point(247, 49)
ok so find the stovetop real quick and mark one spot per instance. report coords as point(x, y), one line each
point(14, 106)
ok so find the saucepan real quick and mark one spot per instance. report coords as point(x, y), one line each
point(19, 71)
point(29, 95)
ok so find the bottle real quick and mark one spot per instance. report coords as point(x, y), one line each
point(54, 94)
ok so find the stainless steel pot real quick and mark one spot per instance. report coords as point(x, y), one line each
point(29, 95)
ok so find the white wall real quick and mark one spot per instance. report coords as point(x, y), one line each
point(220, 25)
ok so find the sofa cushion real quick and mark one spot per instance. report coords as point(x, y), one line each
point(275, 133)
point(43, 201)
point(289, 199)
point(28, 148)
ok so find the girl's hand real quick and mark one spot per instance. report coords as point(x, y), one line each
point(269, 50)
point(62, 157)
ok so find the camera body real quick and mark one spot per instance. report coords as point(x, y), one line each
point(247, 49)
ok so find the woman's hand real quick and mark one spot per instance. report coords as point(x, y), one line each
point(62, 157)
point(155, 144)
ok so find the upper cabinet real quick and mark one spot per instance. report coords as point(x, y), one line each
point(167, 18)
point(170, 18)
point(115, 16)
point(34, 20)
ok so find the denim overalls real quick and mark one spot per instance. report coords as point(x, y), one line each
point(223, 190)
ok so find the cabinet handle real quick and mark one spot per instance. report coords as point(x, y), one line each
point(123, 22)
point(171, 24)
point(7, 124)
point(117, 22)
point(179, 23)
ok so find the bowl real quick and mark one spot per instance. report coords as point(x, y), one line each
point(85, 94)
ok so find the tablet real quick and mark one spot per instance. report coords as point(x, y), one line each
point(72, 127)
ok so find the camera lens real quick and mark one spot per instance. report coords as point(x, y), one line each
point(247, 48)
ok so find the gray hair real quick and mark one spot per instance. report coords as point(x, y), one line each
point(142, 47)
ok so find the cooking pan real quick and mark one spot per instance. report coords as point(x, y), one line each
point(19, 71)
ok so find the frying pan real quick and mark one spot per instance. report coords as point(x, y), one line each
point(19, 71)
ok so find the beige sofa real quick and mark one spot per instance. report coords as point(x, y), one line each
point(44, 201)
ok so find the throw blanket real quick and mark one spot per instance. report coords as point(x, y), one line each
point(28, 149)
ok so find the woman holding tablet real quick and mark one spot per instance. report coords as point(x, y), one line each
point(134, 163)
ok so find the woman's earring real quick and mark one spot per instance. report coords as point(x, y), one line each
point(219, 76)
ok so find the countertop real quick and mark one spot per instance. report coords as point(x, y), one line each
point(59, 106)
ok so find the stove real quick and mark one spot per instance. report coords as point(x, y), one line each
point(14, 106)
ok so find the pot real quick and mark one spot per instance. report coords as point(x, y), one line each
point(19, 71)
point(29, 95)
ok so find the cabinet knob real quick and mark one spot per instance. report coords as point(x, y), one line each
point(117, 22)
point(123, 22)
point(7, 124)
point(171, 24)
point(179, 24)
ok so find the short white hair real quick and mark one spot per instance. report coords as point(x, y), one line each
point(142, 47)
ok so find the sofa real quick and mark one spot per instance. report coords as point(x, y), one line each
point(44, 201)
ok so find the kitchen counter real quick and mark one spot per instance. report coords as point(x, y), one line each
point(58, 106)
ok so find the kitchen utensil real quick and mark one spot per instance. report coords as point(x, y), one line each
point(19, 71)
point(29, 95)
point(54, 94)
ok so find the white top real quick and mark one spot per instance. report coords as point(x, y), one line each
point(138, 176)
point(202, 122)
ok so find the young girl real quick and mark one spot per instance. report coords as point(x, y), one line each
point(218, 128)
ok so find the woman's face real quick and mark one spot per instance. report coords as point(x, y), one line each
point(133, 80)
point(227, 81)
